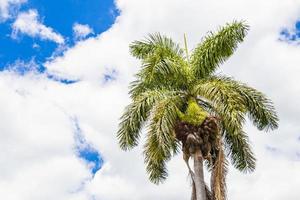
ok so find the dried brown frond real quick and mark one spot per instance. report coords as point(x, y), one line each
point(218, 176)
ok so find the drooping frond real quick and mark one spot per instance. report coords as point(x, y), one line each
point(259, 108)
point(161, 141)
point(217, 48)
point(155, 44)
point(242, 157)
point(136, 114)
point(218, 176)
point(236, 140)
point(231, 108)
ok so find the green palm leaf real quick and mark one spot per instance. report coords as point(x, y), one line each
point(165, 74)
point(161, 142)
point(136, 114)
point(231, 107)
point(259, 108)
point(217, 48)
point(157, 44)
point(163, 65)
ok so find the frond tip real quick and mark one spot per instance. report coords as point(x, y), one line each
point(155, 44)
point(217, 48)
point(242, 157)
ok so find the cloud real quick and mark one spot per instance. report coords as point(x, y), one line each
point(34, 157)
point(7, 6)
point(28, 23)
point(22, 67)
point(37, 139)
point(82, 30)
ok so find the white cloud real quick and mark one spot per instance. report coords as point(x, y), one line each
point(22, 67)
point(82, 30)
point(28, 23)
point(35, 126)
point(7, 6)
point(34, 157)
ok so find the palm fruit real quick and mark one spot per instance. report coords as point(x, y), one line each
point(196, 129)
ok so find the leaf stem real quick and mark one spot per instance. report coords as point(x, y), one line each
point(186, 48)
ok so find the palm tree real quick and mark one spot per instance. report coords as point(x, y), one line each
point(182, 101)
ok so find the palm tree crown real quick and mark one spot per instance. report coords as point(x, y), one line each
point(168, 84)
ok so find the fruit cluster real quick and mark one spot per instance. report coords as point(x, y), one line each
point(203, 136)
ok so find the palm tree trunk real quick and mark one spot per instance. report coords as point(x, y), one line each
point(193, 192)
point(199, 176)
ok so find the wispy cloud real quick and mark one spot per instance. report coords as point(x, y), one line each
point(28, 23)
point(81, 30)
point(22, 67)
point(6, 6)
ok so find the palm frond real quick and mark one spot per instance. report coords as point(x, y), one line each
point(161, 141)
point(231, 108)
point(259, 108)
point(157, 44)
point(136, 114)
point(163, 74)
point(217, 48)
point(236, 140)
point(240, 152)
point(163, 64)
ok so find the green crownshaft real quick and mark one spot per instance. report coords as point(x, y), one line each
point(194, 113)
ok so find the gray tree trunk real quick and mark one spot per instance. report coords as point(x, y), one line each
point(193, 192)
point(199, 176)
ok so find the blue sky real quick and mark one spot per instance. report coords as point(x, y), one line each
point(291, 34)
point(86, 151)
point(99, 15)
point(24, 52)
